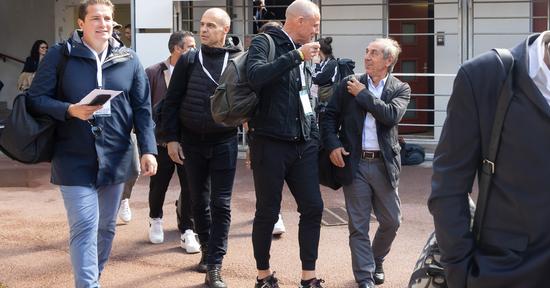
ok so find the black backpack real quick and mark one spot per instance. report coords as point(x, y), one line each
point(157, 108)
point(234, 101)
point(345, 68)
point(29, 138)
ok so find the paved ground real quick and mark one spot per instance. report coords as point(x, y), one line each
point(34, 249)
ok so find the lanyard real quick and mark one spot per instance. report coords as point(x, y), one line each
point(225, 59)
point(99, 63)
point(302, 74)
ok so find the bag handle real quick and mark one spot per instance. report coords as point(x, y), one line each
point(488, 163)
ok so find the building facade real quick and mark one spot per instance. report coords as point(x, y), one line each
point(436, 37)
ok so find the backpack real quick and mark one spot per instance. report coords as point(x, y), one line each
point(234, 101)
point(344, 68)
point(157, 108)
point(412, 154)
point(29, 138)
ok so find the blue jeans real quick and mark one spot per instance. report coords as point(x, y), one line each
point(91, 212)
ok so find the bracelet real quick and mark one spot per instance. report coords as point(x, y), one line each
point(301, 54)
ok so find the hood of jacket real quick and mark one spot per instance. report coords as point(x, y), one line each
point(117, 51)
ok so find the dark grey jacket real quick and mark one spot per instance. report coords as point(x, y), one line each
point(515, 248)
point(342, 124)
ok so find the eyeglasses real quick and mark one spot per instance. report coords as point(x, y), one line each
point(96, 130)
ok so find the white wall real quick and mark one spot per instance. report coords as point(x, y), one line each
point(446, 57)
point(352, 27)
point(158, 14)
point(18, 34)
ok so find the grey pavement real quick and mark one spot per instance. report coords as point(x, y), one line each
point(34, 233)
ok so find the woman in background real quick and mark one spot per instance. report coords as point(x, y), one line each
point(38, 50)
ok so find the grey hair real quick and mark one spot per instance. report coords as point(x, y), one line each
point(391, 48)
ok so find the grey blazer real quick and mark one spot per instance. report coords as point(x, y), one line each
point(342, 124)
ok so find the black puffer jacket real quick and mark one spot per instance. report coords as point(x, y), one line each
point(186, 112)
point(278, 85)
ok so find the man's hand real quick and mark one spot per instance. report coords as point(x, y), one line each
point(82, 111)
point(310, 50)
point(336, 157)
point(148, 165)
point(175, 152)
point(354, 86)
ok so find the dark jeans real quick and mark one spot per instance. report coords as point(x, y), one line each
point(159, 184)
point(217, 163)
point(273, 163)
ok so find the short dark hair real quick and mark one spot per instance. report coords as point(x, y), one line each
point(83, 7)
point(177, 39)
point(128, 26)
point(326, 48)
point(266, 25)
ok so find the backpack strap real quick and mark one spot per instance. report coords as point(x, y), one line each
point(488, 163)
point(271, 54)
point(60, 69)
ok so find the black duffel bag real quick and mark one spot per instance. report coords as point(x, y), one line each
point(27, 138)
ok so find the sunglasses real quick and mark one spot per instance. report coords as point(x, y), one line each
point(96, 130)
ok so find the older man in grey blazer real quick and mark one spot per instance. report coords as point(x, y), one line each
point(360, 123)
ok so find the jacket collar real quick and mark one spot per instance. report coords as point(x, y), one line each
point(522, 81)
point(117, 51)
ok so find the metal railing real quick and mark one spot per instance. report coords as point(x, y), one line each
point(5, 57)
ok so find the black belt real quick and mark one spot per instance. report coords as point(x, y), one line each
point(369, 155)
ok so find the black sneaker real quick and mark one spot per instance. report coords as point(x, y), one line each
point(202, 268)
point(379, 275)
point(268, 282)
point(313, 283)
point(214, 278)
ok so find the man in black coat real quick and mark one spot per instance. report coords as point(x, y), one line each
point(360, 124)
point(514, 248)
point(284, 138)
point(208, 149)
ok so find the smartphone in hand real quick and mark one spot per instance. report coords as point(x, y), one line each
point(99, 100)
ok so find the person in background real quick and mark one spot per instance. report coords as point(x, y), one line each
point(261, 15)
point(128, 32)
point(208, 149)
point(93, 153)
point(159, 78)
point(284, 139)
point(325, 71)
point(38, 51)
point(360, 125)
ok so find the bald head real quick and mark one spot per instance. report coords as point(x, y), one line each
point(302, 8)
point(215, 24)
point(219, 15)
point(302, 21)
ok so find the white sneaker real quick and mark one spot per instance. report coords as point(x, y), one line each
point(156, 235)
point(124, 212)
point(279, 227)
point(189, 242)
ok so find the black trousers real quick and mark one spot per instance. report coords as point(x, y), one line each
point(273, 163)
point(158, 186)
point(215, 164)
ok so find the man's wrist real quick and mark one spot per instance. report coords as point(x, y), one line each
point(301, 54)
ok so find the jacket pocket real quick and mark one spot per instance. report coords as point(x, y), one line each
point(501, 252)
